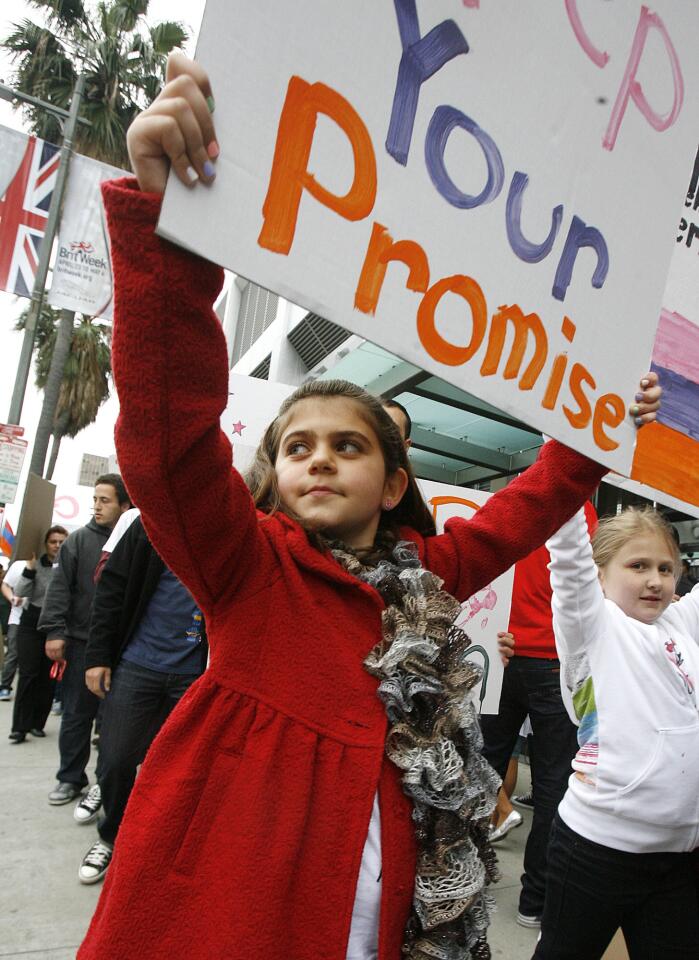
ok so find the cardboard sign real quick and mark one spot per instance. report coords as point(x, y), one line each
point(35, 518)
point(253, 404)
point(489, 194)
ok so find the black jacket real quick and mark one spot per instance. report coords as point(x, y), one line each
point(124, 590)
point(66, 609)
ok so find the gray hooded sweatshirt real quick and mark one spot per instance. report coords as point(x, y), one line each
point(68, 600)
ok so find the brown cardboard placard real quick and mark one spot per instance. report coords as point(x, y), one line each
point(35, 518)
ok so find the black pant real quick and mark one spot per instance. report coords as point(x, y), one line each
point(79, 711)
point(531, 685)
point(35, 686)
point(139, 702)
point(593, 890)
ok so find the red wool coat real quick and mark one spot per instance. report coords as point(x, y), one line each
point(245, 829)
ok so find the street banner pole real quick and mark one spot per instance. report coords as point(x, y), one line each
point(45, 256)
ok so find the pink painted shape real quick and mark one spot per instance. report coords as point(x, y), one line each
point(68, 511)
point(598, 57)
point(630, 87)
point(473, 4)
point(677, 345)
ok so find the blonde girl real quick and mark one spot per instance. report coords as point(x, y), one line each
point(320, 793)
point(619, 854)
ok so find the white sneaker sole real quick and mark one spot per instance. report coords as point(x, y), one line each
point(83, 820)
point(90, 880)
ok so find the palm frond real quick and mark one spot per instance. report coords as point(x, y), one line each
point(64, 13)
point(167, 36)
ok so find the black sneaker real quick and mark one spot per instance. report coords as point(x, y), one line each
point(525, 800)
point(95, 862)
point(89, 807)
point(64, 793)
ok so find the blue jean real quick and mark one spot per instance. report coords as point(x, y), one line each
point(139, 702)
point(593, 890)
point(531, 685)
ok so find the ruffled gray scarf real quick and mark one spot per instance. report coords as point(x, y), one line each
point(428, 687)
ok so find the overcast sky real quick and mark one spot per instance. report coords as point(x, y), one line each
point(96, 439)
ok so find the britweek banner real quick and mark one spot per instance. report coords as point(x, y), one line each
point(253, 404)
point(491, 194)
point(82, 272)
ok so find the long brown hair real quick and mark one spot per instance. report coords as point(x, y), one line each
point(261, 478)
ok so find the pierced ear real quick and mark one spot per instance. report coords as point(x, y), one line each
point(394, 488)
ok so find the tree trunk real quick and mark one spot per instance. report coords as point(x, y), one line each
point(55, 447)
point(44, 430)
point(58, 434)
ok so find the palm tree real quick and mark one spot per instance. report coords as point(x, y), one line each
point(77, 382)
point(122, 57)
point(123, 61)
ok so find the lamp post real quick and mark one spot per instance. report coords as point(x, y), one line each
point(70, 120)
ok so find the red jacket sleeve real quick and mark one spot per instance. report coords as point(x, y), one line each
point(171, 372)
point(514, 521)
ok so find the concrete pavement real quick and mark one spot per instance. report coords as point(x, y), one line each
point(45, 910)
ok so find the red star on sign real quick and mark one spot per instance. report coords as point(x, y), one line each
point(238, 428)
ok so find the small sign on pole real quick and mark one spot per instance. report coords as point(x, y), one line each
point(91, 467)
point(12, 453)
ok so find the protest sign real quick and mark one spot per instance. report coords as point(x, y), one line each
point(489, 194)
point(35, 518)
point(676, 360)
point(82, 273)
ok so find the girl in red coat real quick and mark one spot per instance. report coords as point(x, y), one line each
point(319, 794)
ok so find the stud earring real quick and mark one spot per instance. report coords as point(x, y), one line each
point(388, 504)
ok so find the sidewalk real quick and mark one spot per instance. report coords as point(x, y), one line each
point(45, 910)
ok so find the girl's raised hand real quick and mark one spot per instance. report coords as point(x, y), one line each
point(176, 130)
point(647, 400)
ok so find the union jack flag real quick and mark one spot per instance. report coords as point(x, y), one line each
point(24, 211)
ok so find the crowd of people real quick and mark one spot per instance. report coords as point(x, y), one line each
point(324, 787)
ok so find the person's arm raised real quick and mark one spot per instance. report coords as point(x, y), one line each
point(519, 518)
point(578, 601)
point(170, 363)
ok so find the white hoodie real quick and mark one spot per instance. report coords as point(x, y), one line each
point(634, 687)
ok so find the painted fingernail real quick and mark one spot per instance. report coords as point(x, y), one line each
point(209, 170)
point(638, 397)
point(634, 411)
point(644, 383)
point(211, 104)
point(638, 421)
point(191, 174)
point(213, 150)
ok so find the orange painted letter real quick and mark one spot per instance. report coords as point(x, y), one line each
point(578, 376)
point(290, 175)
point(437, 347)
point(609, 411)
point(522, 325)
point(381, 249)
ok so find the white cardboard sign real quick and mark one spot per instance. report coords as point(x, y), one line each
point(489, 193)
